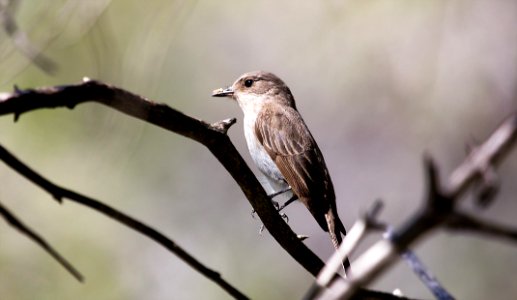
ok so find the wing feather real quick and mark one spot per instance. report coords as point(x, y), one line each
point(285, 137)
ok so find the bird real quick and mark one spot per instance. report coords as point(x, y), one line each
point(283, 148)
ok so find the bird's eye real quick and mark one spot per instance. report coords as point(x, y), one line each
point(248, 83)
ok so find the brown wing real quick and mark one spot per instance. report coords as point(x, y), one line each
point(287, 140)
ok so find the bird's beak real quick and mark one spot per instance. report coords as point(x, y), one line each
point(220, 92)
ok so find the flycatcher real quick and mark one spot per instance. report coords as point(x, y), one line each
point(283, 148)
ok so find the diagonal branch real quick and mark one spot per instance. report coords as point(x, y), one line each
point(483, 158)
point(213, 137)
point(440, 205)
point(13, 221)
point(60, 193)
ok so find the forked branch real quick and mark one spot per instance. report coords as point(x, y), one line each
point(439, 209)
point(60, 193)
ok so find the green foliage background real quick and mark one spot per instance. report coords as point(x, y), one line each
point(378, 82)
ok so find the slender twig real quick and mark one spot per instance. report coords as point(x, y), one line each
point(11, 219)
point(483, 158)
point(62, 193)
point(425, 275)
point(466, 223)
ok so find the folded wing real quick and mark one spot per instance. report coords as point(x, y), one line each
point(288, 141)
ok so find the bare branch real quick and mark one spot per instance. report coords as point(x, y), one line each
point(483, 158)
point(60, 193)
point(354, 236)
point(439, 206)
point(466, 223)
point(13, 221)
point(213, 137)
point(424, 274)
point(163, 116)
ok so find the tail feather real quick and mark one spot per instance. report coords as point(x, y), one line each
point(335, 228)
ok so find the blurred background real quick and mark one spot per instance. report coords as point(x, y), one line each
point(379, 83)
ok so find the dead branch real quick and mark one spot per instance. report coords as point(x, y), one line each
point(436, 211)
point(212, 136)
point(61, 193)
point(32, 235)
point(463, 222)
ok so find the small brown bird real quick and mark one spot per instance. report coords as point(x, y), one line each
point(283, 148)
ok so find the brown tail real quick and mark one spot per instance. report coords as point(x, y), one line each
point(335, 228)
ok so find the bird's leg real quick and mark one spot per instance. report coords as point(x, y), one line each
point(277, 206)
point(279, 192)
point(280, 207)
point(283, 215)
point(291, 200)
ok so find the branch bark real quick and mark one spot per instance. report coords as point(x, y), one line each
point(212, 136)
point(466, 223)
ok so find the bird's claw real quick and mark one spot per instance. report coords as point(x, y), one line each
point(261, 229)
point(276, 205)
point(285, 217)
point(302, 237)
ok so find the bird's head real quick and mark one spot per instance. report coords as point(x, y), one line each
point(256, 89)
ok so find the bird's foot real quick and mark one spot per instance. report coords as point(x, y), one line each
point(275, 204)
point(279, 192)
point(302, 237)
point(278, 208)
point(285, 217)
point(291, 200)
point(261, 228)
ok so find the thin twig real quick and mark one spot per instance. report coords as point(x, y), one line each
point(425, 275)
point(483, 158)
point(466, 223)
point(421, 271)
point(61, 193)
point(11, 219)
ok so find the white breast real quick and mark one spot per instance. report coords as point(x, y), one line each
point(259, 155)
point(251, 107)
